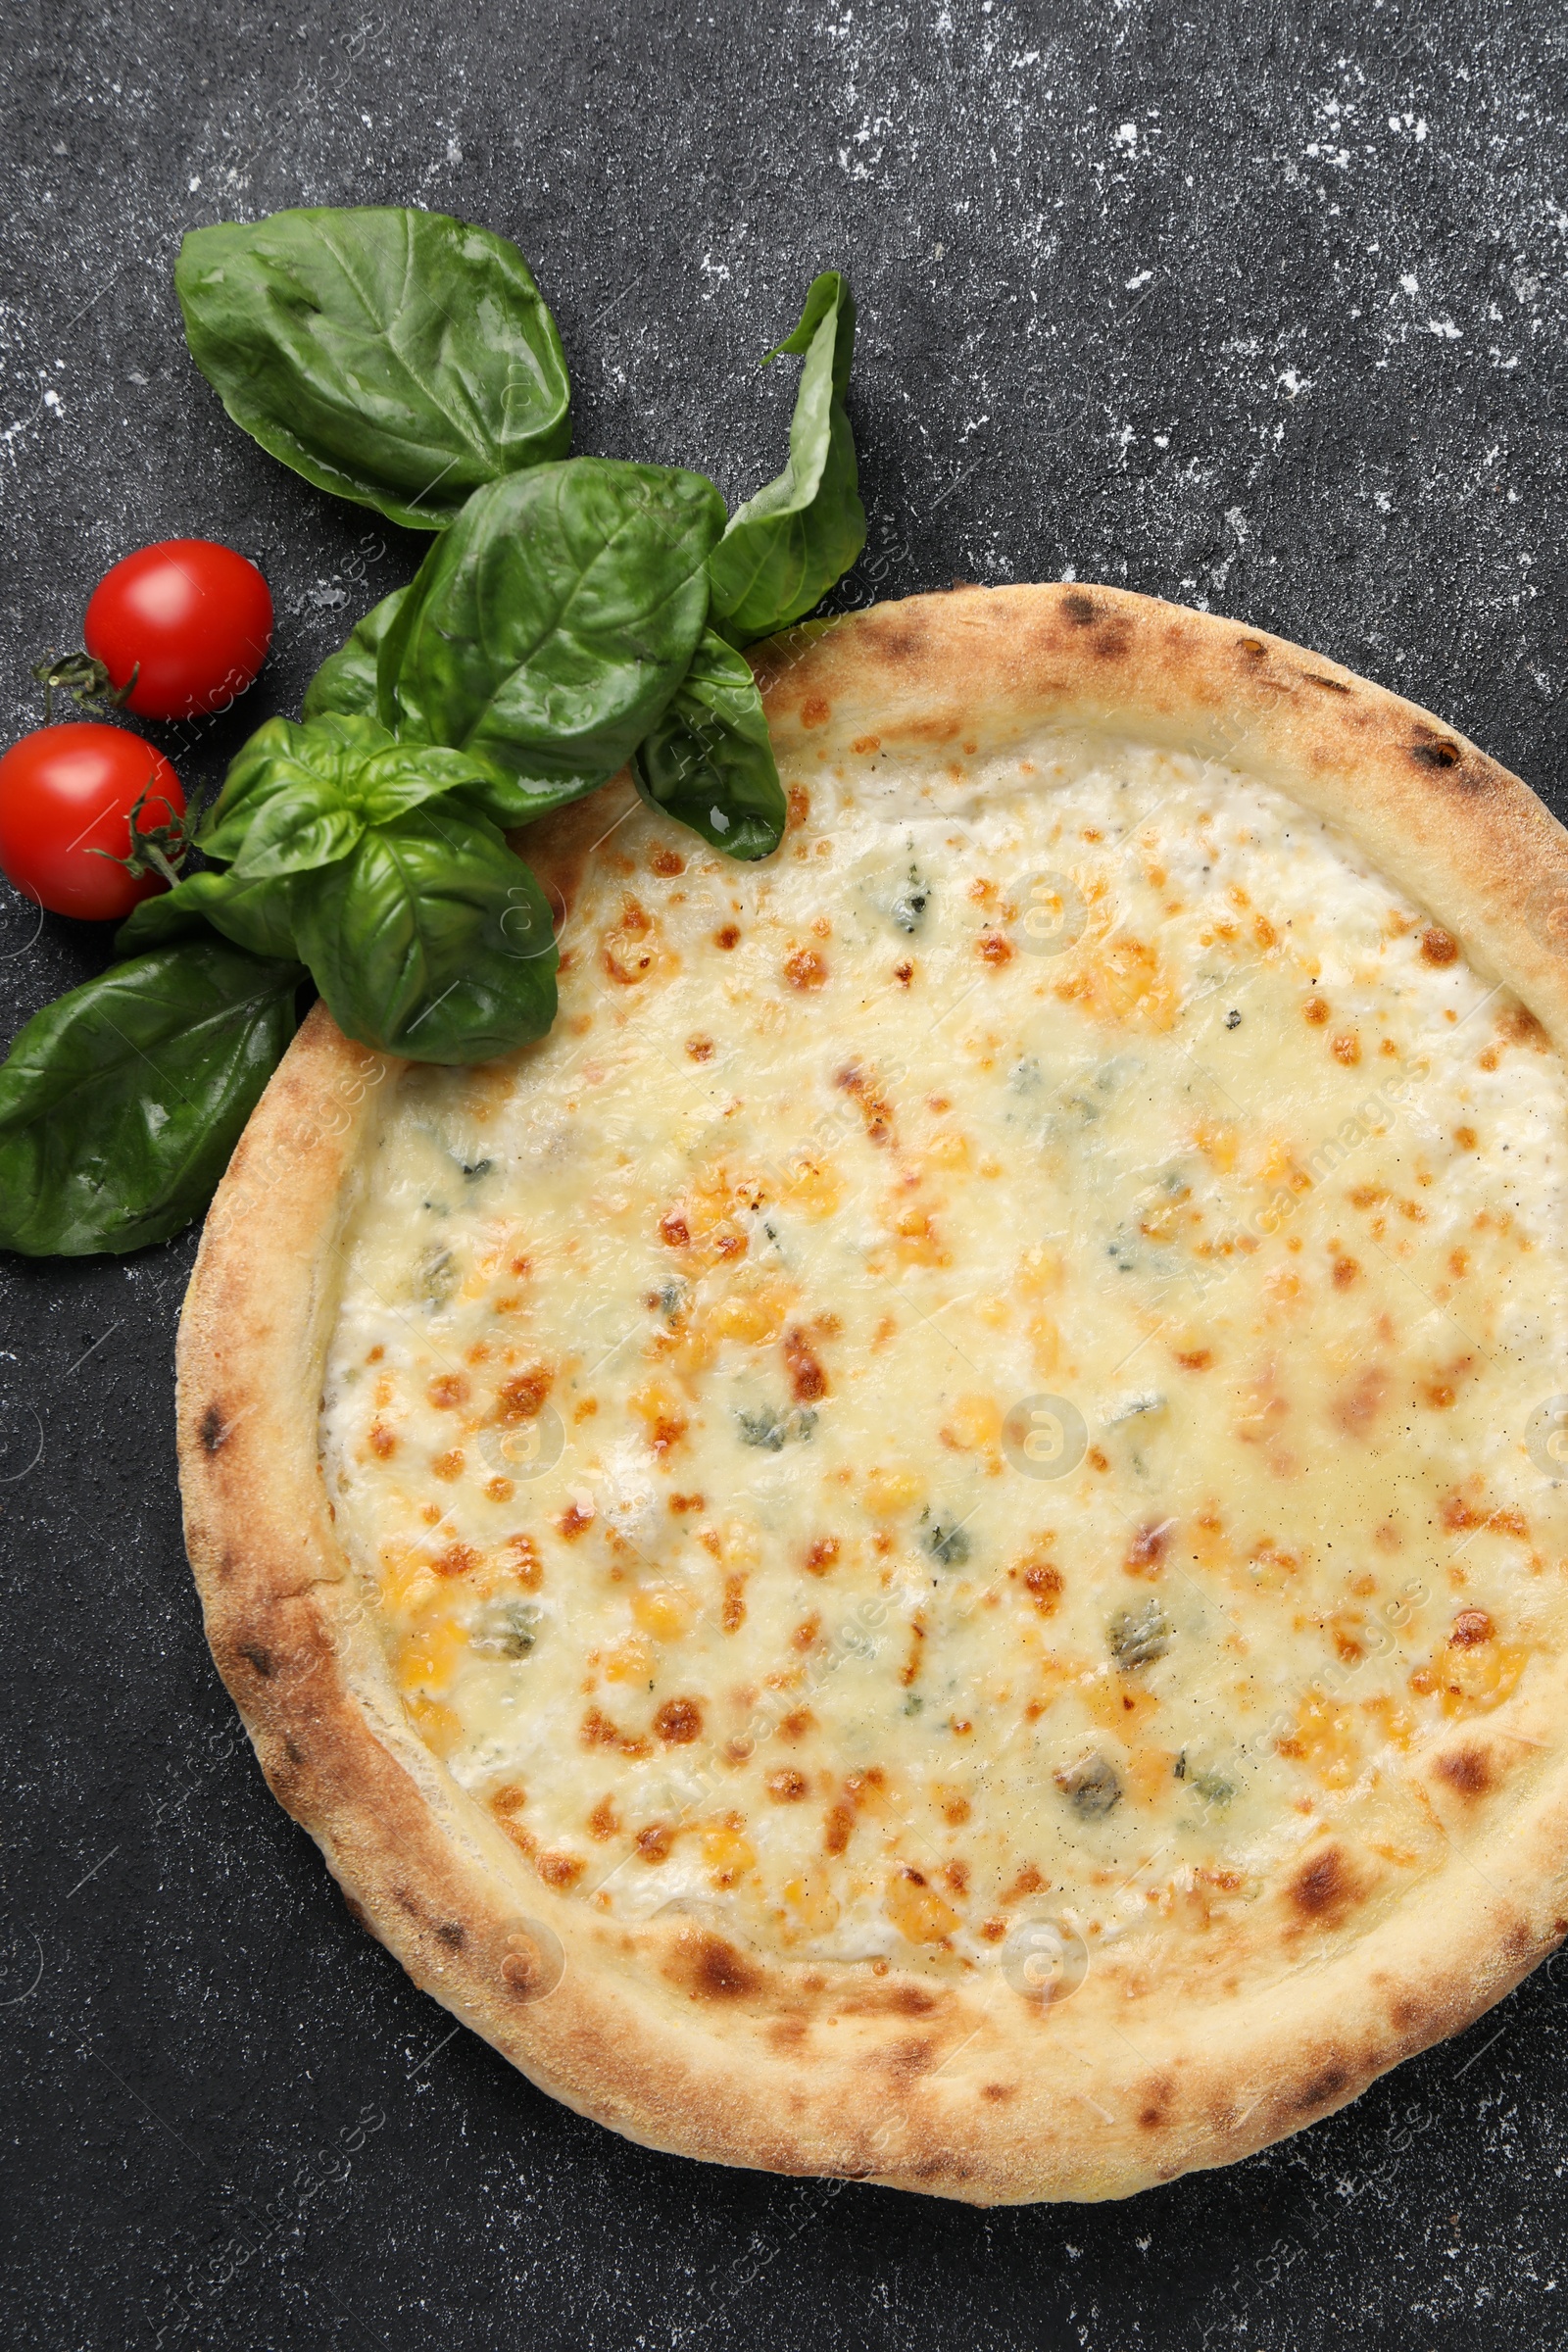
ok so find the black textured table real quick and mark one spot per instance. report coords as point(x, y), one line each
point(1260, 308)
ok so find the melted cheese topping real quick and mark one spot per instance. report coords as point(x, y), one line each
point(996, 1368)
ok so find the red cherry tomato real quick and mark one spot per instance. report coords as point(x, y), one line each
point(67, 791)
point(196, 616)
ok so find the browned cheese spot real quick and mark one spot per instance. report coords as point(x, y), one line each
point(807, 1380)
point(1357, 1406)
point(523, 1399)
point(806, 969)
point(1146, 1553)
point(629, 949)
point(458, 1559)
point(1042, 1584)
point(678, 1722)
point(524, 1557)
point(876, 1112)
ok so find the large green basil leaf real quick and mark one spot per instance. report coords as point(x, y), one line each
point(120, 1102)
point(346, 679)
point(299, 796)
point(253, 914)
point(547, 629)
point(397, 357)
point(432, 939)
point(785, 548)
point(709, 762)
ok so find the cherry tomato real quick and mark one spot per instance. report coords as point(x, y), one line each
point(67, 791)
point(196, 616)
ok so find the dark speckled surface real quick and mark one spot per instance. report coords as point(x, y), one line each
point(1257, 307)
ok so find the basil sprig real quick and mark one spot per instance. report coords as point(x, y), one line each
point(299, 796)
point(120, 1102)
point(375, 865)
point(397, 357)
point(547, 629)
point(573, 616)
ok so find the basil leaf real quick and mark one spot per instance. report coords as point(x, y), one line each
point(346, 679)
point(709, 761)
point(396, 358)
point(253, 914)
point(299, 796)
point(785, 548)
point(546, 630)
point(432, 939)
point(120, 1102)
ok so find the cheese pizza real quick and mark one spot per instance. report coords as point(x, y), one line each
point(930, 1544)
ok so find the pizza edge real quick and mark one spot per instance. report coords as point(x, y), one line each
point(671, 2034)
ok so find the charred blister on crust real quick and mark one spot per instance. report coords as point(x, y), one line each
point(1467, 1771)
point(1323, 1889)
point(712, 1968)
point(1328, 2087)
point(1428, 749)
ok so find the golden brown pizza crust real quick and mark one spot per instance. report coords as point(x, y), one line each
point(674, 2034)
